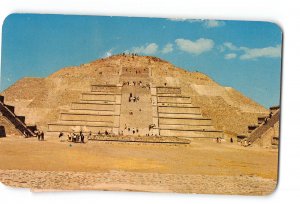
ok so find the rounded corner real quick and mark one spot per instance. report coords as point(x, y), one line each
point(274, 190)
point(5, 21)
point(277, 25)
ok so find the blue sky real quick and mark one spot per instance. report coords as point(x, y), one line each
point(241, 54)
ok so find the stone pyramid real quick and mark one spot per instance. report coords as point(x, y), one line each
point(129, 94)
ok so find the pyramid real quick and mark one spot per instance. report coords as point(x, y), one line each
point(130, 95)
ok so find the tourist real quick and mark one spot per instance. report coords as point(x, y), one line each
point(25, 134)
point(77, 138)
point(82, 137)
point(270, 115)
point(42, 135)
point(69, 137)
point(60, 134)
point(266, 120)
point(73, 137)
point(231, 140)
point(38, 135)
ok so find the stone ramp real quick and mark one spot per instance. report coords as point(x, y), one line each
point(266, 131)
point(7, 128)
point(13, 124)
point(136, 108)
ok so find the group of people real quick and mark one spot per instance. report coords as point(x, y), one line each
point(129, 54)
point(268, 117)
point(219, 140)
point(80, 137)
point(133, 98)
point(37, 133)
point(74, 137)
point(136, 83)
point(133, 131)
point(128, 129)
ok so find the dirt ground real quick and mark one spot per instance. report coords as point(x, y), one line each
point(200, 167)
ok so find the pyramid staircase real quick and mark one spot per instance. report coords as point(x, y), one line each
point(176, 115)
point(100, 110)
point(97, 110)
point(263, 128)
point(8, 116)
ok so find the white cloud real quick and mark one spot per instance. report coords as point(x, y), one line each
point(205, 23)
point(213, 23)
point(185, 19)
point(261, 52)
point(195, 47)
point(230, 56)
point(230, 46)
point(252, 53)
point(108, 53)
point(168, 48)
point(147, 49)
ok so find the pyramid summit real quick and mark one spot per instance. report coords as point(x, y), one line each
point(130, 94)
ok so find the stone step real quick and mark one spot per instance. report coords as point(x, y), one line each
point(164, 104)
point(186, 127)
point(180, 115)
point(184, 121)
point(192, 133)
point(168, 90)
point(168, 94)
point(106, 89)
point(104, 102)
point(176, 109)
point(92, 112)
point(101, 93)
point(84, 123)
point(98, 97)
point(85, 117)
point(174, 99)
point(92, 106)
point(58, 127)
